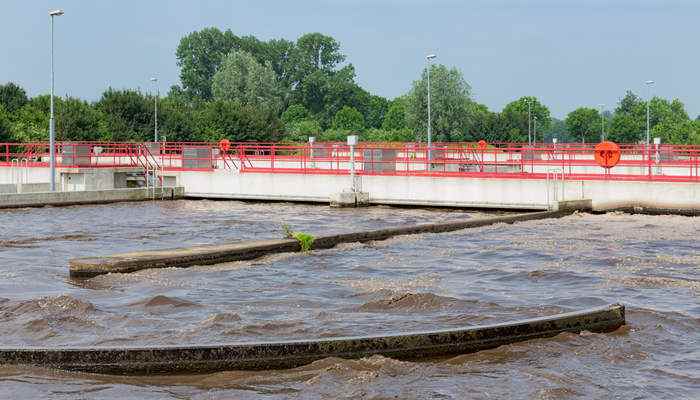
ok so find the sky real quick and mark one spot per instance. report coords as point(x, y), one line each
point(568, 53)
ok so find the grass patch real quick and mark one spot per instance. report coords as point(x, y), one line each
point(306, 241)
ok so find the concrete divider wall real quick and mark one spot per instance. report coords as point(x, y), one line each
point(214, 254)
point(40, 199)
point(535, 194)
point(404, 190)
point(289, 354)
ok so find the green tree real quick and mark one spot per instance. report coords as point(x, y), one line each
point(584, 123)
point(31, 122)
point(450, 104)
point(280, 53)
point(78, 120)
point(667, 119)
point(298, 124)
point(348, 119)
point(395, 118)
point(514, 119)
point(295, 113)
point(376, 111)
point(176, 119)
point(5, 125)
point(629, 120)
point(220, 119)
point(199, 56)
point(681, 132)
point(316, 52)
point(325, 93)
point(695, 135)
point(380, 135)
point(242, 79)
point(299, 131)
point(12, 97)
point(483, 124)
point(557, 129)
point(128, 113)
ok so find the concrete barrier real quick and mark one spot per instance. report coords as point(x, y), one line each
point(40, 199)
point(215, 254)
point(290, 354)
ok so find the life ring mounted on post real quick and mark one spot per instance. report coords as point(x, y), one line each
point(607, 154)
point(224, 145)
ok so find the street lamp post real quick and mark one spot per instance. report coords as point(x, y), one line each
point(534, 129)
point(52, 119)
point(602, 122)
point(155, 108)
point(649, 85)
point(529, 122)
point(429, 58)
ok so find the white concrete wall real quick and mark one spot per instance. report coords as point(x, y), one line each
point(461, 192)
point(415, 190)
point(14, 175)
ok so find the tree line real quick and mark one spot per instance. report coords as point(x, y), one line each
point(246, 89)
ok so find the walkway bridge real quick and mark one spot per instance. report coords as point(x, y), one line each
point(501, 175)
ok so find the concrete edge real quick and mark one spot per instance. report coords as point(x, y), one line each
point(291, 354)
point(88, 197)
point(215, 254)
point(647, 209)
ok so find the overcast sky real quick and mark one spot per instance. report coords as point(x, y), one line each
point(566, 52)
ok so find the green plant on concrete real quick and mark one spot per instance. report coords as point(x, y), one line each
point(305, 240)
point(287, 231)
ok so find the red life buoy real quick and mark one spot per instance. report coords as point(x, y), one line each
point(224, 145)
point(482, 144)
point(607, 154)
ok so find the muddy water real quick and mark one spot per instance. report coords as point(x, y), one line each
point(470, 277)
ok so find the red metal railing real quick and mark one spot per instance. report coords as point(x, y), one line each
point(638, 162)
point(501, 160)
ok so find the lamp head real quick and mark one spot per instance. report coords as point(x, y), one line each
point(56, 13)
point(430, 57)
point(649, 82)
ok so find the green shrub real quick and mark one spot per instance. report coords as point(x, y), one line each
point(306, 241)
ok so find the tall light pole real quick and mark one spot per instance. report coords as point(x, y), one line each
point(602, 122)
point(534, 129)
point(429, 58)
point(155, 108)
point(649, 85)
point(529, 122)
point(52, 119)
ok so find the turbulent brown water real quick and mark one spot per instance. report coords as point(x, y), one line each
point(430, 281)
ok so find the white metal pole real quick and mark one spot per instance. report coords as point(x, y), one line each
point(602, 123)
point(52, 127)
point(155, 112)
point(52, 118)
point(430, 127)
point(430, 57)
point(534, 130)
point(529, 123)
point(648, 83)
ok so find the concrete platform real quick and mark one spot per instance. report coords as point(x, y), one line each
point(215, 254)
point(290, 354)
point(41, 199)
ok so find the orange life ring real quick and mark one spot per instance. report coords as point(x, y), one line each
point(607, 154)
point(224, 145)
point(482, 144)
